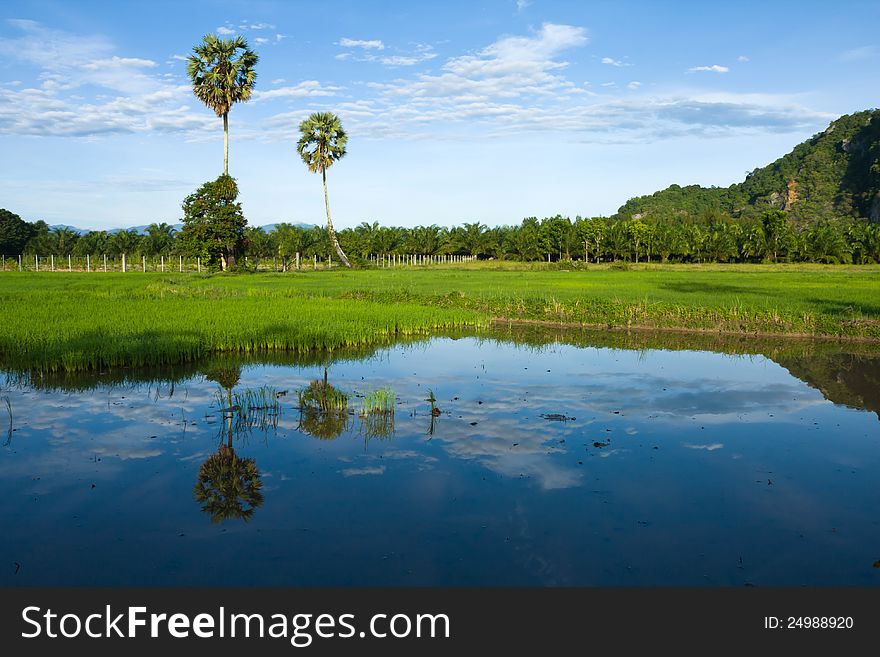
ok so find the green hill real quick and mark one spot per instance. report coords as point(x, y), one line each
point(833, 175)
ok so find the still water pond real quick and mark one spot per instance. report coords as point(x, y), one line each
point(558, 465)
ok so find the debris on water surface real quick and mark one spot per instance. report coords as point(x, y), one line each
point(473, 424)
point(557, 417)
point(598, 444)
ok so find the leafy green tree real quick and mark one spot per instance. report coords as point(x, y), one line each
point(638, 232)
point(213, 223)
point(63, 240)
point(289, 240)
point(94, 243)
point(826, 242)
point(39, 243)
point(158, 239)
point(259, 244)
point(125, 241)
point(321, 144)
point(775, 225)
point(223, 73)
point(554, 235)
point(14, 233)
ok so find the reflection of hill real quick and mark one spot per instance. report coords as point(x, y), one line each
point(845, 373)
point(842, 378)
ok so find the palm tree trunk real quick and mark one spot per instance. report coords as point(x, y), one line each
point(226, 143)
point(330, 230)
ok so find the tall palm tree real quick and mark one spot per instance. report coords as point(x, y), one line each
point(220, 79)
point(321, 143)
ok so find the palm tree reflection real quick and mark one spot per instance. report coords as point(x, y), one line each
point(228, 486)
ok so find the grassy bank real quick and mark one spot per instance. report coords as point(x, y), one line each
point(82, 321)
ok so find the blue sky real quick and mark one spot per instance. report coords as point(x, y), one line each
point(484, 111)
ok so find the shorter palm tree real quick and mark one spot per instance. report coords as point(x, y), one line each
point(322, 143)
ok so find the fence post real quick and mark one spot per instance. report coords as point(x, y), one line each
point(88, 262)
point(180, 262)
point(163, 264)
point(105, 263)
point(329, 261)
point(37, 262)
point(145, 263)
point(69, 264)
point(19, 262)
point(52, 260)
point(123, 263)
point(199, 263)
point(297, 260)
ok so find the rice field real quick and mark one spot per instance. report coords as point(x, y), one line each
point(72, 322)
point(81, 322)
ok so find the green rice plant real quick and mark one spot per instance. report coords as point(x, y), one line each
point(80, 321)
point(251, 408)
point(378, 426)
point(322, 396)
point(378, 402)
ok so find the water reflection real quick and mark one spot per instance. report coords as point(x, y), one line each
point(496, 463)
point(228, 486)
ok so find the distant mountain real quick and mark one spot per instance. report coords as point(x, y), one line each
point(834, 174)
point(270, 227)
point(141, 230)
point(78, 231)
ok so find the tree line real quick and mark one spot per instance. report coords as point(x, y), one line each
point(713, 237)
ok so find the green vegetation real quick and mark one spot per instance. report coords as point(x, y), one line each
point(222, 76)
point(830, 176)
point(323, 397)
point(92, 321)
point(378, 401)
point(82, 322)
point(322, 143)
point(213, 223)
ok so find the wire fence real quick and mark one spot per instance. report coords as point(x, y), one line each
point(181, 264)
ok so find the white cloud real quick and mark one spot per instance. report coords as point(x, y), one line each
point(372, 44)
point(133, 99)
point(359, 472)
point(512, 66)
point(708, 448)
point(261, 41)
point(613, 62)
point(223, 31)
point(715, 68)
point(278, 80)
point(262, 26)
point(305, 89)
point(635, 84)
point(120, 62)
point(522, 4)
point(742, 58)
